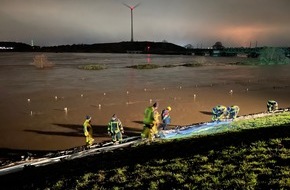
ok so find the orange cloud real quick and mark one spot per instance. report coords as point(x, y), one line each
point(243, 35)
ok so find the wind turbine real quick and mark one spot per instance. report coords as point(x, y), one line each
point(131, 8)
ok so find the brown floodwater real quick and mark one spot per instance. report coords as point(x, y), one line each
point(33, 101)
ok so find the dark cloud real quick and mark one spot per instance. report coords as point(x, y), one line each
point(234, 22)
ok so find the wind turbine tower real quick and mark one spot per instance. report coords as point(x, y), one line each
point(131, 9)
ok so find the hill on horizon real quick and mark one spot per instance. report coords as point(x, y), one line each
point(117, 47)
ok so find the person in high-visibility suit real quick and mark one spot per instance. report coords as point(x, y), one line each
point(233, 112)
point(151, 122)
point(272, 105)
point(156, 123)
point(115, 129)
point(219, 112)
point(88, 131)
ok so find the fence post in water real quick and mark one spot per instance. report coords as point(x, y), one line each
point(65, 110)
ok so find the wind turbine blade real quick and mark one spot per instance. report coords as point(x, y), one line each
point(127, 5)
point(136, 5)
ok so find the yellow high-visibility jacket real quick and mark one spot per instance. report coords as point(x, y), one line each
point(87, 127)
point(149, 115)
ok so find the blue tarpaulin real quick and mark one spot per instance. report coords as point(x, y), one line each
point(189, 130)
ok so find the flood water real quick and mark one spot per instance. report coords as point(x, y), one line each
point(32, 100)
point(18, 75)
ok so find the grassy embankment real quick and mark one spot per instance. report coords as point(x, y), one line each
point(141, 66)
point(154, 66)
point(92, 67)
point(247, 154)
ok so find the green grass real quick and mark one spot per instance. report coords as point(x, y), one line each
point(144, 66)
point(247, 154)
point(92, 67)
point(154, 66)
point(192, 64)
point(170, 66)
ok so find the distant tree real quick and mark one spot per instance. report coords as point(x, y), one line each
point(273, 56)
point(188, 46)
point(41, 62)
point(218, 45)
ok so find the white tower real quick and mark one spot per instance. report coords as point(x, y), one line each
point(131, 9)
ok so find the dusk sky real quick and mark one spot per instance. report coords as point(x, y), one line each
point(198, 22)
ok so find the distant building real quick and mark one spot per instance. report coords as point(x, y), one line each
point(6, 48)
point(216, 53)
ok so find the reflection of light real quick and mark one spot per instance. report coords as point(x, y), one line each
point(148, 58)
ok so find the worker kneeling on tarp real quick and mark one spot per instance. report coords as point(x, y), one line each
point(233, 112)
point(272, 105)
point(219, 112)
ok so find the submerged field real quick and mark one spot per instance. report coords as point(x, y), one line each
point(248, 154)
point(51, 104)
